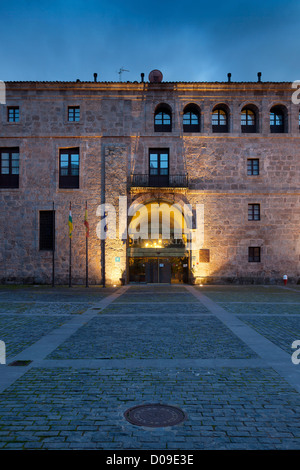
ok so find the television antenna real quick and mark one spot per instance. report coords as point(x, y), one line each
point(121, 71)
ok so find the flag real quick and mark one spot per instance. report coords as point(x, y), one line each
point(70, 223)
point(87, 227)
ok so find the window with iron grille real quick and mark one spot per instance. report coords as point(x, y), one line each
point(74, 113)
point(254, 254)
point(9, 167)
point(253, 166)
point(47, 230)
point(253, 211)
point(13, 114)
point(69, 168)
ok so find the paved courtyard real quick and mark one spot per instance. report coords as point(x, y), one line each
point(220, 353)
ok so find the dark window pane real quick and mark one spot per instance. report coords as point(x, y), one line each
point(254, 254)
point(13, 114)
point(162, 121)
point(9, 168)
point(159, 166)
point(47, 225)
point(253, 167)
point(69, 168)
point(74, 113)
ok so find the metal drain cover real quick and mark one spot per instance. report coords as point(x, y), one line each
point(155, 415)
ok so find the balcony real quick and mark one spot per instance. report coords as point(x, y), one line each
point(158, 181)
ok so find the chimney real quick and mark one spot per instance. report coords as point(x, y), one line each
point(259, 76)
point(142, 77)
point(229, 77)
point(95, 77)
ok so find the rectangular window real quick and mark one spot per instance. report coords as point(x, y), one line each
point(74, 113)
point(9, 167)
point(69, 168)
point(13, 114)
point(253, 211)
point(253, 166)
point(254, 254)
point(47, 230)
point(204, 256)
point(159, 167)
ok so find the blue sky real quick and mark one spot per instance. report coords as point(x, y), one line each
point(187, 40)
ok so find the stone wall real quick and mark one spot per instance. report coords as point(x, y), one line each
point(114, 135)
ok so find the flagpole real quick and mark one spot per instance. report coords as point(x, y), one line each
point(70, 256)
point(53, 248)
point(86, 251)
point(70, 263)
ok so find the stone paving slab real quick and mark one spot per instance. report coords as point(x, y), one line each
point(262, 308)
point(173, 297)
point(74, 409)
point(281, 297)
point(230, 370)
point(163, 309)
point(61, 294)
point(113, 338)
point(281, 331)
point(44, 308)
point(19, 332)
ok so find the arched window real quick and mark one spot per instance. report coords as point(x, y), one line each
point(191, 118)
point(220, 119)
point(278, 119)
point(163, 119)
point(249, 119)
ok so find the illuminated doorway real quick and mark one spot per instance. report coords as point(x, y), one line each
point(158, 270)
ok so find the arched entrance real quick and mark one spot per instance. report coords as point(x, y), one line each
point(157, 251)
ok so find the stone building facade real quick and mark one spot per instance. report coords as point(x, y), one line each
point(230, 148)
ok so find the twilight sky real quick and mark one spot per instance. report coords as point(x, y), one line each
point(190, 40)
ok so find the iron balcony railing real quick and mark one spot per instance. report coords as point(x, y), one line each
point(158, 181)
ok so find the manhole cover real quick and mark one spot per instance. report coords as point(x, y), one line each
point(155, 415)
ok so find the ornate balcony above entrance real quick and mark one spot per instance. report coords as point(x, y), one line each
point(158, 181)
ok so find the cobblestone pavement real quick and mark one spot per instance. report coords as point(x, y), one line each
point(220, 353)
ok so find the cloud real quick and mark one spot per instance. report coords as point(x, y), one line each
point(190, 41)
